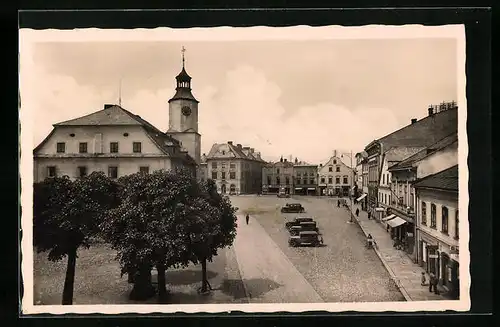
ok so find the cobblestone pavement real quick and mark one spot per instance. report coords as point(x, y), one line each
point(405, 272)
point(341, 271)
point(267, 274)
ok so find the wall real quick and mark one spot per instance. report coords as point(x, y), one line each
point(109, 134)
point(440, 199)
point(177, 121)
point(69, 166)
point(191, 142)
point(226, 165)
point(309, 171)
point(344, 171)
point(438, 161)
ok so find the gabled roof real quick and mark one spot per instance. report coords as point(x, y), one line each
point(417, 157)
point(444, 180)
point(212, 154)
point(424, 132)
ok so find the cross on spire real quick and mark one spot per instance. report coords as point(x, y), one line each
point(183, 60)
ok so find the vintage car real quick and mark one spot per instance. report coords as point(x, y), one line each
point(283, 195)
point(297, 221)
point(306, 238)
point(305, 226)
point(292, 207)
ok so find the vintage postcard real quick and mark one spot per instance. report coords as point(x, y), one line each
point(260, 169)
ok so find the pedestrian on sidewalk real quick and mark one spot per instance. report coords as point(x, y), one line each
point(369, 215)
point(357, 212)
point(432, 282)
point(338, 203)
point(423, 283)
point(247, 218)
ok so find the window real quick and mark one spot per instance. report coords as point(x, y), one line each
point(61, 147)
point(232, 165)
point(383, 178)
point(456, 225)
point(277, 171)
point(82, 148)
point(223, 165)
point(337, 169)
point(444, 220)
point(223, 175)
point(330, 168)
point(337, 180)
point(298, 174)
point(268, 180)
point(287, 180)
point(113, 172)
point(51, 171)
point(144, 170)
point(214, 165)
point(322, 180)
point(334, 162)
point(137, 147)
point(113, 147)
point(311, 181)
point(223, 153)
point(345, 179)
point(298, 181)
point(232, 175)
point(214, 175)
point(82, 171)
point(310, 174)
point(433, 215)
point(278, 180)
point(330, 180)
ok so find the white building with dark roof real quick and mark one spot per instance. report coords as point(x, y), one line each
point(116, 141)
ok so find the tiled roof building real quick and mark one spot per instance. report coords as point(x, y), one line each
point(444, 180)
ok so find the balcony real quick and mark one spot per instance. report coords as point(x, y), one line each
point(403, 210)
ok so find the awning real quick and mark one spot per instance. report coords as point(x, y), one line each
point(298, 188)
point(311, 188)
point(395, 222)
point(361, 197)
point(379, 209)
point(388, 217)
point(455, 257)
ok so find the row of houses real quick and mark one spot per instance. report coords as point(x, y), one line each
point(408, 181)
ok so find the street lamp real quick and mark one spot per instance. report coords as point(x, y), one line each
point(352, 182)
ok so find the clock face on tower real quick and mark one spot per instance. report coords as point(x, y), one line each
point(186, 111)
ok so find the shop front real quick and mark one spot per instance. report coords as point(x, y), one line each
point(311, 191)
point(429, 254)
point(449, 268)
point(300, 191)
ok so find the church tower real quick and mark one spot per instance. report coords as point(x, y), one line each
point(183, 115)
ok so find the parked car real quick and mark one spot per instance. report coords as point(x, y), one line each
point(297, 221)
point(305, 226)
point(283, 195)
point(306, 238)
point(292, 207)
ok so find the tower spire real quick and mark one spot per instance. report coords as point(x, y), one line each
point(183, 59)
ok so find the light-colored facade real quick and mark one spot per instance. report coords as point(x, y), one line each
point(305, 178)
point(438, 227)
point(278, 176)
point(335, 178)
point(234, 168)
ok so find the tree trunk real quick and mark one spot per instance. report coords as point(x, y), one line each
point(143, 286)
point(204, 281)
point(162, 289)
point(69, 282)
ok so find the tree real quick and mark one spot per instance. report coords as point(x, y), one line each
point(149, 228)
point(66, 216)
point(215, 228)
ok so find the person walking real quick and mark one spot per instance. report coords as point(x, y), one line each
point(357, 212)
point(423, 283)
point(338, 203)
point(432, 279)
point(247, 218)
point(369, 215)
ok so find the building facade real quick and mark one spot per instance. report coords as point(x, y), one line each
point(112, 140)
point(278, 176)
point(235, 169)
point(203, 168)
point(438, 224)
point(431, 160)
point(305, 182)
point(440, 122)
point(335, 178)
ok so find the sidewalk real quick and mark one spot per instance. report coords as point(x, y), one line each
point(405, 273)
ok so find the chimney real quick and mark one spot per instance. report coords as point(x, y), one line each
point(431, 110)
point(239, 146)
point(334, 153)
point(252, 150)
point(281, 159)
point(285, 160)
point(321, 165)
point(296, 160)
point(413, 120)
point(230, 142)
point(107, 105)
point(257, 154)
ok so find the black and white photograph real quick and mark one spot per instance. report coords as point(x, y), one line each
point(258, 169)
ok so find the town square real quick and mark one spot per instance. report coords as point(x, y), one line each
point(265, 182)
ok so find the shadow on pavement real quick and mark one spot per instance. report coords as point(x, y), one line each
point(234, 288)
point(183, 277)
point(257, 287)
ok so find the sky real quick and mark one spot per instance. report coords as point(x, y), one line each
point(299, 98)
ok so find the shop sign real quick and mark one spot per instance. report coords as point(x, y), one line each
point(433, 256)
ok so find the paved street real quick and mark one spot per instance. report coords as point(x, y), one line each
point(342, 271)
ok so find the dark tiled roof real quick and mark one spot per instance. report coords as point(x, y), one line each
point(398, 153)
point(444, 180)
point(183, 75)
point(424, 132)
point(183, 94)
point(114, 115)
point(444, 142)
